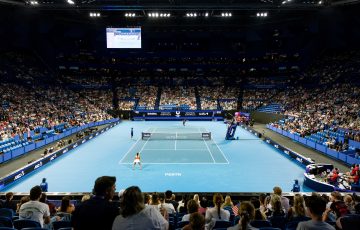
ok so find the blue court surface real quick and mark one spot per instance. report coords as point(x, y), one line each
point(177, 158)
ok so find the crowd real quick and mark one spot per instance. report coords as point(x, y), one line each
point(178, 96)
point(26, 107)
point(137, 210)
point(147, 96)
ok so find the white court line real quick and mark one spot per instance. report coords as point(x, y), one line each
point(172, 163)
point(176, 149)
point(207, 147)
point(131, 148)
point(219, 149)
point(146, 142)
point(175, 140)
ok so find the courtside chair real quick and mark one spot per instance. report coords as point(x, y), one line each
point(20, 224)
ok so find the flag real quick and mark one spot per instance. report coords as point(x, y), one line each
point(235, 210)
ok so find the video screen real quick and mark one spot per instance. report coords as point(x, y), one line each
point(123, 38)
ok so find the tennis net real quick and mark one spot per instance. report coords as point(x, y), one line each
point(175, 136)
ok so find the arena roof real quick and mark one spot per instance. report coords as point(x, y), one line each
point(177, 4)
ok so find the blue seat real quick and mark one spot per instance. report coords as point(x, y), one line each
point(69, 228)
point(20, 224)
point(5, 222)
point(6, 212)
point(181, 224)
point(7, 228)
point(222, 224)
point(349, 221)
point(34, 228)
point(278, 221)
point(260, 223)
point(61, 224)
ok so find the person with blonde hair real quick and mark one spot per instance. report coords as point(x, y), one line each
point(298, 210)
point(216, 213)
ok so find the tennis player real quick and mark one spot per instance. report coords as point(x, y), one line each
point(184, 121)
point(132, 133)
point(137, 160)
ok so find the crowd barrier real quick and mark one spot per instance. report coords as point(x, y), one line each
point(347, 158)
point(16, 175)
point(50, 139)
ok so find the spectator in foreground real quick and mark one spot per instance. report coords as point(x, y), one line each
point(216, 213)
point(34, 209)
point(9, 203)
point(247, 214)
point(98, 212)
point(135, 215)
point(316, 206)
point(197, 222)
point(192, 207)
point(284, 201)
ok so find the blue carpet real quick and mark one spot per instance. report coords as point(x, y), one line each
point(217, 165)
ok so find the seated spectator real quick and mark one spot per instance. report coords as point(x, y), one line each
point(316, 206)
point(216, 213)
point(23, 200)
point(168, 206)
point(337, 207)
point(192, 207)
point(44, 200)
point(135, 215)
point(170, 199)
point(203, 205)
point(197, 222)
point(34, 209)
point(284, 201)
point(98, 212)
point(9, 203)
point(247, 214)
point(298, 209)
point(258, 214)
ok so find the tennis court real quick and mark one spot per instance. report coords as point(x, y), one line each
point(170, 161)
point(176, 145)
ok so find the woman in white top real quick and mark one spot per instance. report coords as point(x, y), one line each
point(216, 213)
point(135, 215)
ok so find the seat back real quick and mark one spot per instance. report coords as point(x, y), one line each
point(278, 221)
point(260, 223)
point(349, 221)
point(6, 212)
point(20, 224)
point(181, 224)
point(222, 224)
point(6, 222)
point(61, 224)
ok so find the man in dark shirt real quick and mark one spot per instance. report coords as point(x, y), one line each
point(98, 212)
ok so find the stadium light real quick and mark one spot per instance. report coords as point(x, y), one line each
point(34, 3)
point(130, 15)
point(94, 14)
point(226, 14)
point(206, 14)
point(71, 2)
point(262, 14)
point(320, 2)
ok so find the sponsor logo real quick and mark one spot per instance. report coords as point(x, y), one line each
point(76, 145)
point(287, 152)
point(19, 175)
point(299, 159)
point(189, 114)
point(268, 141)
point(203, 114)
point(102, 131)
point(83, 141)
point(165, 114)
point(250, 131)
point(53, 157)
point(177, 114)
point(96, 134)
point(146, 134)
point(276, 146)
point(38, 165)
point(255, 134)
point(65, 150)
point(151, 114)
point(91, 137)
